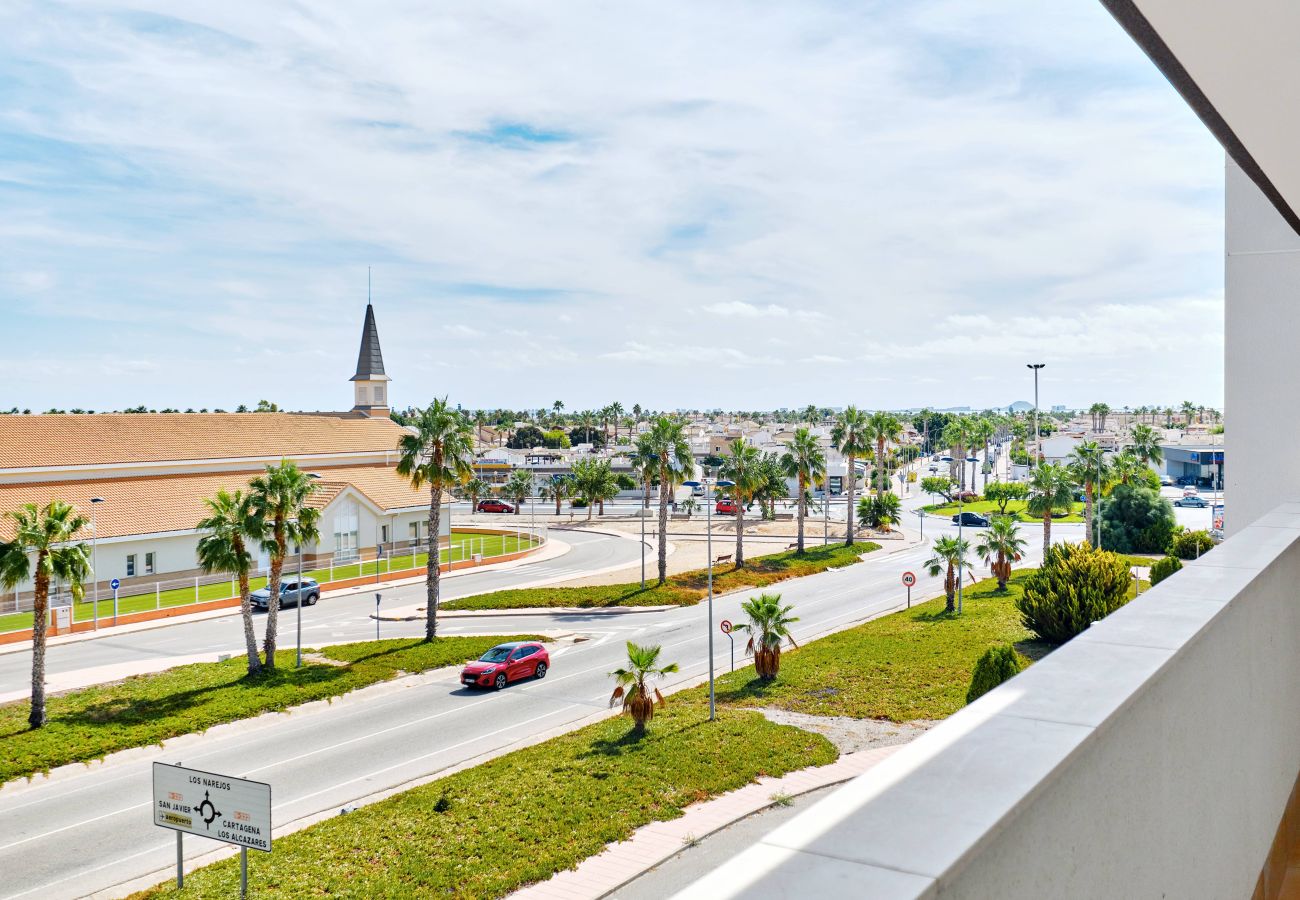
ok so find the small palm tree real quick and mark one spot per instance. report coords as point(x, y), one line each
point(557, 489)
point(850, 437)
point(518, 487)
point(805, 462)
point(880, 511)
point(630, 684)
point(594, 481)
point(1051, 491)
point(475, 489)
point(950, 555)
point(769, 624)
point(47, 533)
point(231, 524)
point(743, 467)
point(438, 454)
point(279, 498)
point(1002, 544)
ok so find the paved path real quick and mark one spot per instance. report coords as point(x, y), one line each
point(650, 845)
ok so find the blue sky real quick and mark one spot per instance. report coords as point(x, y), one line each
point(672, 204)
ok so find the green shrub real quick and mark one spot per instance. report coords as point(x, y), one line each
point(1135, 519)
point(1163, 568)
point(1076, 586)
point(1191, 544)
point(996, 666)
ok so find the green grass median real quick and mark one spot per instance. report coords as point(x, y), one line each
point(489, 830)
point(91, 723)
point(462, 545)
point(1015, 508)
point(685, 589)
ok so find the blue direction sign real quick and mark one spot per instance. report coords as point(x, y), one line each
point(115, 584)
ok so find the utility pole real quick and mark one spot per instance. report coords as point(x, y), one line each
point(1038, 441)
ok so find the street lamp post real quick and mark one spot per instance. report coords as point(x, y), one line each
point(1038, 441)
point(298, 605)
point(94, 558)
point(708, 527)
point(644, 509)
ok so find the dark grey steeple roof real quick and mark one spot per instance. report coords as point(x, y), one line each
point(370, 360)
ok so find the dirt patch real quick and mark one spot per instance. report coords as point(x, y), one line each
point(852, 735)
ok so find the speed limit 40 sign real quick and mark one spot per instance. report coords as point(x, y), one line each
point(909, 579)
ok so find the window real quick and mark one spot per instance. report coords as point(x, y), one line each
point(346, 526)
point(383, 534)
point(148, 564)
point(525, 651)
point(130, 565)
point(415, 532)
point(379, 395)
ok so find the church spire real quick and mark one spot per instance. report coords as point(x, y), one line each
point(369, 384)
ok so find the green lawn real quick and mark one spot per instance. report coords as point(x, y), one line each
point(1014, 508)
point(913, 664)
point(488, 830)
point(89, 724)
point(462, 543)
point(680, 590)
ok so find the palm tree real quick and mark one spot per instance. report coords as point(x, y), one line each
point(1051, 491)
point(615, 413)
point(1088, 467)
point(1146, 445)
point(587, 422)
point(279, 498)
point(950, 555)
point(231, 524)
point(982, 432)
point(772, 483)
point(475, 489)
point(957, 437)
point(1188, 408)
point(630, 684)
point(882, 427)
point(804, 461)
point(645, 466)
point(438, 454)
point(667, 442)
point(557, 489)
point(811, 414)
point(850, 437)
point(594, 481)
point(743, 467)
point(1126, 466)
point(1001, 542)
point(880, 511)
point(769, 624)
point(47, 532)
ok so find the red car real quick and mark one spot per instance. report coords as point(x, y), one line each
point(497, 506)
point(505, 663)
point(726, 507)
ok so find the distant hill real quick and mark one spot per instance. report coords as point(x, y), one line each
point(1021, 406)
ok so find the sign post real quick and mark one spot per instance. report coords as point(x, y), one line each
point(115, 584)
point(377, 596)
point(233, 810)
point(909, 579)
point(726, 629)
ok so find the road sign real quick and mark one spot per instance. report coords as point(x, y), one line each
point(726, 626)
point(212, 806)
point(909, 579)
point(115, 584)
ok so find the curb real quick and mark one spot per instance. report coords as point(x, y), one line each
point(535, 611)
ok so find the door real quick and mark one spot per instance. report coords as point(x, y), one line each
point(519, 663)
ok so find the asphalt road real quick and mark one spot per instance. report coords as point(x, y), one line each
point(333, 620)
point(89, 831)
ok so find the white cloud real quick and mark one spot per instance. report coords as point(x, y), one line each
point(739, 309)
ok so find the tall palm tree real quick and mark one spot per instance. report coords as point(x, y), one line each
point(667, 441)
point(631, 687)
point(811, 414)
point(1188, 408)
point(645, 466)
point(1003, 544)
point(1088, 467)
point(587, 422)
point(279, 498)
point(957, 437)
point(851, 438)
point(230, 525)
point(743, 467)
point(1051, 491)
point(772, 485)
point(882, 427)
point(47, 533)
point(982, 432)
point(769, 624)
point(804, 461)
point(616, 413)
point(438, 454)
point(1146, 445)
point(949, 557)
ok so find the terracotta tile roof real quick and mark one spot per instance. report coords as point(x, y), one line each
point(152, 504)
point(79, 440)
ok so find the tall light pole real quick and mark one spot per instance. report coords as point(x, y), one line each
point(94, 556)
point(1038, 445)
point(961, 522)
point(708, 528)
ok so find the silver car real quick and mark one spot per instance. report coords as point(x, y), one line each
point(292, 592)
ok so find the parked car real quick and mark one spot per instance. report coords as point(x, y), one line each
point(505, 663)
point(1192, 501)
point(726, 507)
point(1166, 481)
point(1190, 491)
point(494, 506)
point(1186, 479)
point(970, 520)
point(697, 491)
point(292, 592)
point(933, 467)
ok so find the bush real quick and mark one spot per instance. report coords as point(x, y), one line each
point(1163, 568)
point(1076, 586)
point(1191, 544)
point(1004, 492)
point(996, 666)
point(1135, 519)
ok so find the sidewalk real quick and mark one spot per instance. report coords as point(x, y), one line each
point(650, 845)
